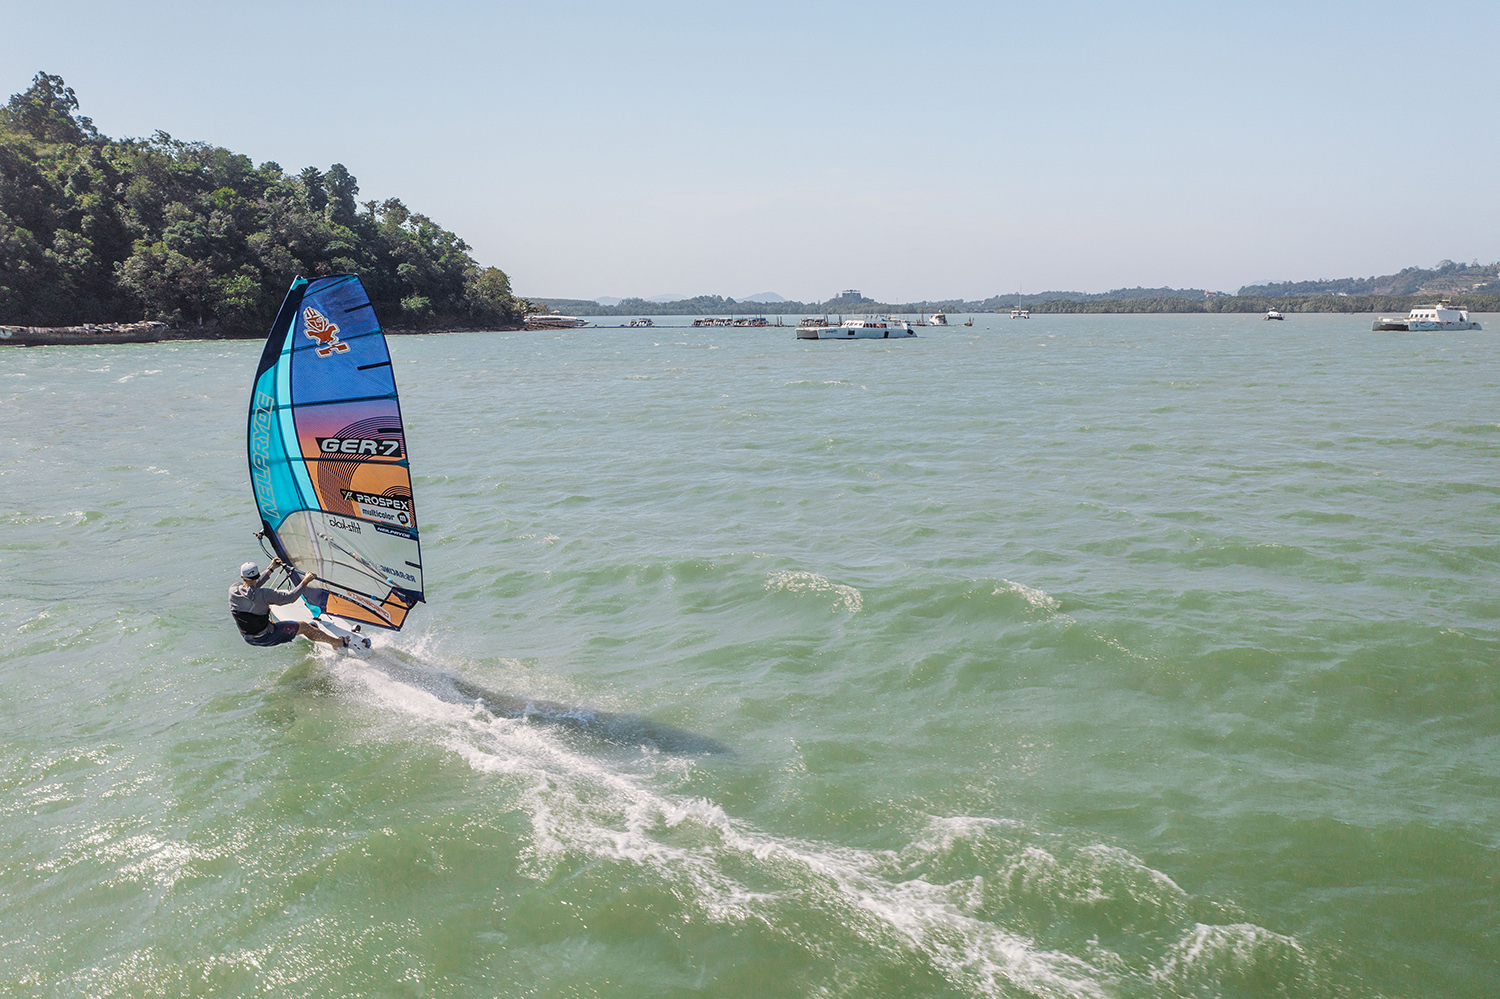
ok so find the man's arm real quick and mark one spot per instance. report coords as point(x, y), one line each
point(287, 596)
point(276, 563)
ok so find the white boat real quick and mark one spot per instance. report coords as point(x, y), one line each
point(641, 322)
point(1429, 318)
point(1020, 313)
point(1273, 314)
point(552, 321)
point(861, 328)
point(937, 319)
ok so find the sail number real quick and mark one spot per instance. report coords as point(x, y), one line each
point(382, 447)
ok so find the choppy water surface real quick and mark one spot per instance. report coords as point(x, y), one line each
point(1084, 656)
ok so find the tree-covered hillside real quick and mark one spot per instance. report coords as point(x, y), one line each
point(94, 229)
point(1447, 278)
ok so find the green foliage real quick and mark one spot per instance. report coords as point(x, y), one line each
point(94, 229)
point(44, 111)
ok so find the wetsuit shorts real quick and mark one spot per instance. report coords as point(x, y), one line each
point(279, 633)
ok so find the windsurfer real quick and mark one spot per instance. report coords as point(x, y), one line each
point(250, 602)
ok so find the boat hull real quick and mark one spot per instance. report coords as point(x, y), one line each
point(852, 333)
point(1428, 327)
point(1411, 326)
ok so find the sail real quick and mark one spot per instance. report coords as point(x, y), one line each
point(328, 460)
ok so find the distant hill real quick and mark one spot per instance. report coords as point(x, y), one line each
point(1472, 286)
point(1447, 278)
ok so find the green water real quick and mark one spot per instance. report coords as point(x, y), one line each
point(1083, 656)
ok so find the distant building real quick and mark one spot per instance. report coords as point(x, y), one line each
point(1216, 294)
point(850, 293)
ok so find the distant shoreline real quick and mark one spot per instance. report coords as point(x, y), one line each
point(1164, 305)
point(93, 334)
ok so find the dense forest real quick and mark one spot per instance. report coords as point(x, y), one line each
point(94, 229)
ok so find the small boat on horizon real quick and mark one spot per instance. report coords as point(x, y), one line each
point(1273, 314)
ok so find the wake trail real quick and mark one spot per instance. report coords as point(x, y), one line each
point(733, 873)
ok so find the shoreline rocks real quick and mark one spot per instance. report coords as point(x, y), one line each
point(101, 333)
point(157, 332)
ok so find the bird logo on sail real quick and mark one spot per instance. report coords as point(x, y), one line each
point(321, 330)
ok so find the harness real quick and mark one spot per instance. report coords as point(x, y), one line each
point(251, 625)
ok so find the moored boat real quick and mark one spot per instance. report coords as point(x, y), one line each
point(859, 328)
point(552, 321)
point(937, 319)
point(1428, 318)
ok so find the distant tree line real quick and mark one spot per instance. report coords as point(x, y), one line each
point(715, 305)
point(1447, 278)
point(94, 229)
point(1262, 303)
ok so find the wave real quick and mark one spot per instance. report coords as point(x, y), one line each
point(846, 597)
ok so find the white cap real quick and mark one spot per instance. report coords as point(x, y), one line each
point(250, 571)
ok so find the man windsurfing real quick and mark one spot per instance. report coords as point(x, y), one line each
point(250, 602)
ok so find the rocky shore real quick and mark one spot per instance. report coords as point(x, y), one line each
point(155, 332)
point(95, 333)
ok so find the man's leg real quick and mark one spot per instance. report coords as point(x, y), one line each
point(317, 634)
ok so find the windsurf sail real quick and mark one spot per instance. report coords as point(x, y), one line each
point(328, 459)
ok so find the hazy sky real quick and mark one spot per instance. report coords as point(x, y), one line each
point(913, 151)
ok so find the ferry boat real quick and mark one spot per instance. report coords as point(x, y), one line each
point(1428, 318)
point(937, 319)
point(552, 321)
point(1273, 314)
point(863, 328)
